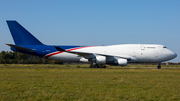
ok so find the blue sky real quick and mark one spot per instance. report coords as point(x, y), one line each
point(95, 22)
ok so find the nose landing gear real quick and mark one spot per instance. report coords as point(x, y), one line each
point(159, 66)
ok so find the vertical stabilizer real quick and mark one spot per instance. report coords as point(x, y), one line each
point(20, 35)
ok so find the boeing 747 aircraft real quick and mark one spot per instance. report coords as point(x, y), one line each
point(97, 56)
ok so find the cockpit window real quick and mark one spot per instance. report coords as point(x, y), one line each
point(164, 47)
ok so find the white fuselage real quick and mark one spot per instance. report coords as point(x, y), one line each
point(132, 52)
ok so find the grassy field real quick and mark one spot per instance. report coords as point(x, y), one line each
point(77, 82)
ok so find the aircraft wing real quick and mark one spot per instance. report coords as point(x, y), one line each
point(88, 55)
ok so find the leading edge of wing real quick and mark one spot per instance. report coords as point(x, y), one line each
point(94, 54)
point(85, 54)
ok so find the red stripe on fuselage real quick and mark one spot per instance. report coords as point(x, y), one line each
point(78, 48)
point(51, 54)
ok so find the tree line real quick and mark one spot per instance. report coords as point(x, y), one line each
point(11, 57)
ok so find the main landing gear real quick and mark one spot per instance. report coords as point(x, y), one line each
point(159, 66)
point(94, 65)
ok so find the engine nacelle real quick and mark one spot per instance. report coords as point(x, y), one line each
point(122, 62)
point(98, 59)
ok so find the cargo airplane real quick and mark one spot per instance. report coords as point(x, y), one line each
point(97, 56)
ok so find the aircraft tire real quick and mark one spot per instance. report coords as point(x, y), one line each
point(101, 66)
point(96, 66)
point(159, 67)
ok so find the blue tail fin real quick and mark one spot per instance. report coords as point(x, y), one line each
point(20, 35)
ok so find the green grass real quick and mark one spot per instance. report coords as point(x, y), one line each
point(77, 82)
point(42, 66)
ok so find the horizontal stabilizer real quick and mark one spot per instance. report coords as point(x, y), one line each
point(20, 48)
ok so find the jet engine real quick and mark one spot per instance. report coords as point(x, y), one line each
point(98, 59)
point(121, 62)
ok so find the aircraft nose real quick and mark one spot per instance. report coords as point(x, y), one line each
point(171, 54)
point(174, 55)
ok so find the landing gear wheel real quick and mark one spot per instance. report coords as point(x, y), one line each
point(96, 66)
point(159, 67)
point(93, 65)
point(101, 66)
